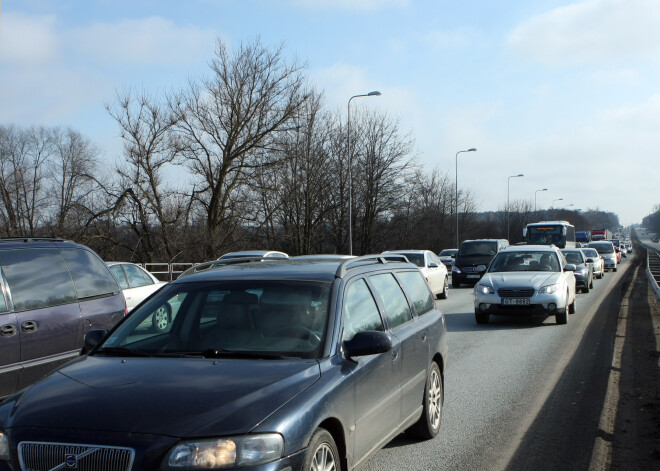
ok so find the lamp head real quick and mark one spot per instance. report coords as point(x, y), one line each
point(374, 93)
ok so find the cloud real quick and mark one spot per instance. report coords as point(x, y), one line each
point(361, 5)
point(28, 41)
point(150, 41)
point(591, 31)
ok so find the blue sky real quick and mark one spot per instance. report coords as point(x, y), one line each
point(565, 92)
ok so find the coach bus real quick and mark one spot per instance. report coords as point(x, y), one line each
point(559, 233)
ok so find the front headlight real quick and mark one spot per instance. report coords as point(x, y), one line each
point(218, 453)
point(455, 269)
point(549, 289)
point(4, 447)
point(483, 289)
point(581, 271)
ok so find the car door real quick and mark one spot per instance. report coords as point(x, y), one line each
point(377, 393)
point(412, 336)
point(10, 347)
point(46, 311)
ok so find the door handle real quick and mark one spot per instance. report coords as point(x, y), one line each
point(29, 326)
point(8, 330)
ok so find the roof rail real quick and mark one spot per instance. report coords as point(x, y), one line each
point(368, 259)
point(30, 239)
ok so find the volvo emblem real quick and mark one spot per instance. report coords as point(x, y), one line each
point(71, 461)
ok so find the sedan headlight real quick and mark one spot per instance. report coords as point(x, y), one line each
point(455, 269)
point(218, 453)
point(582, 271)
point(549, 289)
point(4, 447)
point(483, 289)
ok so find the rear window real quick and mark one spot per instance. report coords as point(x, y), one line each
point(37, 278)
point(90, 275)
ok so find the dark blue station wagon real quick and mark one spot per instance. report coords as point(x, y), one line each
point(283, 365)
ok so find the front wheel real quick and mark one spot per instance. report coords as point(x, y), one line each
point(322, 453)
point(481, 317)
point(613, 269)
point(445, 290)
point(571, 307)
point(428, 424)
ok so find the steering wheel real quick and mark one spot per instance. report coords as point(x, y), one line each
point(307, 334)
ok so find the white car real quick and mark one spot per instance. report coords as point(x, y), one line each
point(526, 280)
point(597, 260)
point(137, 284)
point(431, 267)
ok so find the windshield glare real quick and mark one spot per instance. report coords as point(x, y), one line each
point(249, 317)
point(525, 261)
point(485, 249)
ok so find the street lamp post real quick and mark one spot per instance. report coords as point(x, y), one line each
point(350, 169)
point(459, 152)
point(553, 201)
point(543, 189)
point(508, 183)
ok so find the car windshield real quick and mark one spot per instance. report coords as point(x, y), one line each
point(590, 252)
point(448, 252)
point(268, 319)
point(603, 248)
point(478, 249)
point(573, 256)
point(416, 258)
point(525, 261)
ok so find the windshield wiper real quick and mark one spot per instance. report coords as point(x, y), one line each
point(224, 353)
point(122, 352)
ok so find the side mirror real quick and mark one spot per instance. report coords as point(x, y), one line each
point(590, 260)
point(92, 339)
point(453, 255)
point(368, 342)
point(570, 267)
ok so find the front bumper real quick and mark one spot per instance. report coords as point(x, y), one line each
point(548, 304)
point(466, 277)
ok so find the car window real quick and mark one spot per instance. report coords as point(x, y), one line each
point(119, 275)
point(573, 257)
point(136, 277)
point(37, 278)
point(360, 311)
point(396, 305)
point(90, 275)
point(3, 301)
point(417, 288)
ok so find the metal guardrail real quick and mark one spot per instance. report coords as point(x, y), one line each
point(167, 271)
point(653, 269)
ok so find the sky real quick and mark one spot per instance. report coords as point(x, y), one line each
point(565, 92)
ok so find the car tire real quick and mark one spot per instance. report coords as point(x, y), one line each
point(585, 289)
point(428, 424)
point(613, 269)
point(481, 317)
point(455, 284)
point(322, 452)
point(571, 307)
point(561, 317)
point(591, 284)
point(445, 290)
point(162, 318)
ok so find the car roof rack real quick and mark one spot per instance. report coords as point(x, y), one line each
point(33, 239)
point(368, 260)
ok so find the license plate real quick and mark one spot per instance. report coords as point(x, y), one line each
point(515, 301)
point(473, 276)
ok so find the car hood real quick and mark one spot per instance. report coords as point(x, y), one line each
point(519, 279)
point(182, 397)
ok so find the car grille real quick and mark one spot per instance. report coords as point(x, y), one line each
point(515, 292)
point(470, 270)
point(41, 456)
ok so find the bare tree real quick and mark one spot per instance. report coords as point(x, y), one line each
point(226, 123)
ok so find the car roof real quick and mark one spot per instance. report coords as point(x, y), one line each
point(528, 248)
point(41, 242)
point(301, 270)
point(407, 251)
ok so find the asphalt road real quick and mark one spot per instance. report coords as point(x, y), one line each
point(520, 393)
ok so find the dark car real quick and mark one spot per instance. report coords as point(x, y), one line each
point(473, 258)
point(584, 270)
point(51, 292)
point(447, 256)
point(266, 366)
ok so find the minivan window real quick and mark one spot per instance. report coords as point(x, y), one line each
point(398, 310)
point(360, 311)
point(90, 275)
point(37, 278)
point(415, 285)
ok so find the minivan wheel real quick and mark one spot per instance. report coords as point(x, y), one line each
point(428, 424)
point(322, 453)
point(445, 290)
point(162, 317)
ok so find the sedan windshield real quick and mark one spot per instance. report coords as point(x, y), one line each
point(416, 258)
point(603, 248)
point(246, 319)
point(525, 261)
